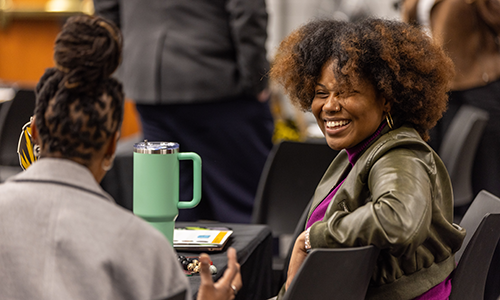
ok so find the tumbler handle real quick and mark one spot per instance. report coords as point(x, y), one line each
point(196, 179)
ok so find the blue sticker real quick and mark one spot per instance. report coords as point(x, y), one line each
point(203, 236)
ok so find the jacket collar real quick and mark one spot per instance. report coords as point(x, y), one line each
point(62, 171)
point(334, 175)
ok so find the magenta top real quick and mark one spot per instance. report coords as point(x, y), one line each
point(439, 292)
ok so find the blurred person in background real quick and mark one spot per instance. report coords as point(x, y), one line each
point(469, 32)
point(196, 70)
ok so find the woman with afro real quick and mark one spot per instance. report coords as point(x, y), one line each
point(376, 87)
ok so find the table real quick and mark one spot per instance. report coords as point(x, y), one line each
point(253, 244)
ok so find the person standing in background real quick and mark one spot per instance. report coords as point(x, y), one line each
point(196, 70)
point(469, 32)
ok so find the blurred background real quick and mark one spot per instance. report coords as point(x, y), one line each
point(28, 29)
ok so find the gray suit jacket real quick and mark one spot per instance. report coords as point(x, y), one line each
point(63, 237)
point(184, 51)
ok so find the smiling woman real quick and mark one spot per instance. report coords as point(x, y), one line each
point(347, 117)
point(376, 88)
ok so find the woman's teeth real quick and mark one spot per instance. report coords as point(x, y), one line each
point(332, 124)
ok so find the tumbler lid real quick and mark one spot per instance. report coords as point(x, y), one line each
point(156, 147)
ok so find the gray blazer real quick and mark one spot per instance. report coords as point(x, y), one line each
point(63, 237)
point(184, 51)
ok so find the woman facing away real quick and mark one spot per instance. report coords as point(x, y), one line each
point(375, 88)
point(61, 235)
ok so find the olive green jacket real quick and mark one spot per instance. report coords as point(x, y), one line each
point(398, 197)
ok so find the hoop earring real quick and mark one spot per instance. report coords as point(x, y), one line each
point(36, 151)
point(389, 120)
point(108, 167)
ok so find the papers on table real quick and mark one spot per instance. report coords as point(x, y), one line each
point(200, 239)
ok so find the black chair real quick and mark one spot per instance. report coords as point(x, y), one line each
point(349, 271)
point(287, 183)
point(482, 223)
point(484, 203)
point(13, 115)
point(458, 150)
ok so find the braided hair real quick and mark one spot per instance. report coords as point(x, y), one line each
point(78, 105)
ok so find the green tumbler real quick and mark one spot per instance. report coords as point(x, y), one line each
point(156, 184)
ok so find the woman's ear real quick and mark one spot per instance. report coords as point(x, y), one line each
point(386, 104)
point(34, 131)
point(110, 151)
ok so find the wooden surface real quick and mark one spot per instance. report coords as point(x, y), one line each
point(26, 49)
point(26, 46)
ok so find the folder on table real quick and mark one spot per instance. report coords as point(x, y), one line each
point(200, 239)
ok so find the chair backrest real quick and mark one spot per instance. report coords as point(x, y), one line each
point(458, 150)
point(340, 273)
point(485, 202)
point(13, 115)
point(287, 183)
point(469, 278)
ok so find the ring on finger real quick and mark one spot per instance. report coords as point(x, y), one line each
point(234, 289)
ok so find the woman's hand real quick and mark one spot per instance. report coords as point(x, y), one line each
point(299, 254)
point(227, 286)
